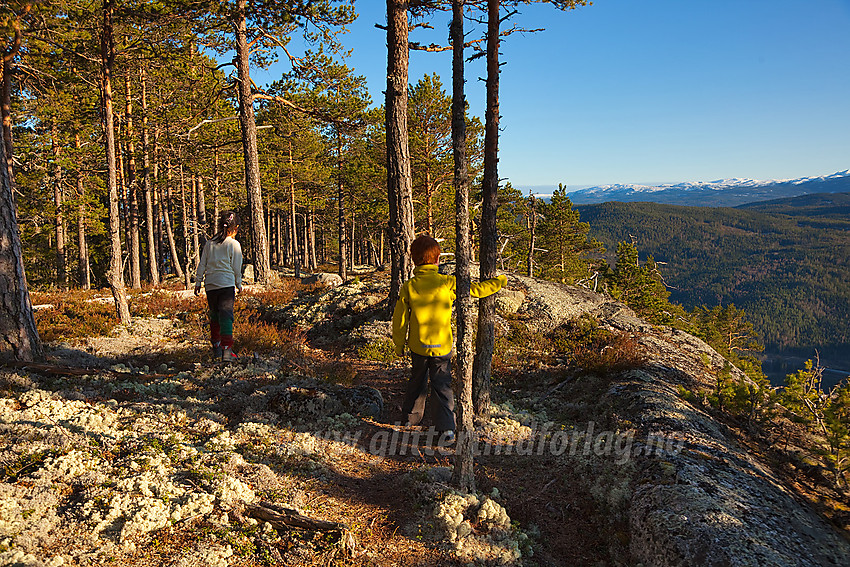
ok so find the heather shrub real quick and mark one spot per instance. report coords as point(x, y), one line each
point(73, 316)
point(379, 350)
point(587, 346)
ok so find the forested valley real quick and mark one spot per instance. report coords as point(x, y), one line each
point(786, 263)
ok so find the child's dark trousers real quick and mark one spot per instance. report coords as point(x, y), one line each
point(442, 401)
point(220, 302)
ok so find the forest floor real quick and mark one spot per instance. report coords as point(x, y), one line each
point(131, 446)
point(156, 378)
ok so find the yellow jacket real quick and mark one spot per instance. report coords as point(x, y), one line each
point(424, 307)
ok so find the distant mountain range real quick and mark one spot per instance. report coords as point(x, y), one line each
point(721, 193)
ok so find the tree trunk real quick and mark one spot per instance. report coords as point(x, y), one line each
point(464, 475)
point(532, 231)
point(262, 266)
point(115, 275)
point(314, 261)
point(202, 212)
point(59, 219)
point(132, 188)
point(169, 229)
point(153, 267)
point(187, 236)
point(19, 338)
point(399, 182)
point(194, 221)
point(83, 249)
point(6, 106)
point(296, 256)
point(158, 206)
point(216, 191)
point(486, 337)
point(343, 272)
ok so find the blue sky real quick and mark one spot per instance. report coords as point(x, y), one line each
point(628, 91)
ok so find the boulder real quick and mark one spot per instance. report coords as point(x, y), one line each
point(509, 300)
point(325, 279)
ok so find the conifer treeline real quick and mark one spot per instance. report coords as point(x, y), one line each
point(178, 156)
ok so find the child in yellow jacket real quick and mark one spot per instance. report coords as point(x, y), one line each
point(422, 321)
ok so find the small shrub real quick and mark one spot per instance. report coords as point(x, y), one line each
point(593, 349)
point(381, 350)
point(253, 334)
point(73, 317)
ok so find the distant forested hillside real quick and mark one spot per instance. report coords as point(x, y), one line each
point(785, 262)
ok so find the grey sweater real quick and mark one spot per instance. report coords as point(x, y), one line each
point(221, 265)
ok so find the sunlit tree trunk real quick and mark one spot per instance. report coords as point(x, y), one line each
point(132, 190)
point(262, 266)
point(59, 219)
point(18, 335)
point(83, 249)
point(115, 275)
point(399, 181)
point(464, 475)
point(486, 337)
point(153, 268)
point(169, 229)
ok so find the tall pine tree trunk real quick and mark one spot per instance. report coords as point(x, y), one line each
point(399, 182)
point(486, 337)
point(82, 246)
point(153, 267)
point(8, 55)
point(343, 271)
point(216, 191)
point(195, 221)
point(262, 266)
point(169, 228)
point(18, 335)
point(187, 235)
point(464, 474)
point(132, 189)
point(115, 275)
point(59, 219)
point(532, 231)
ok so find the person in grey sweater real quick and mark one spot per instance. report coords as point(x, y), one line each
point(220, 271)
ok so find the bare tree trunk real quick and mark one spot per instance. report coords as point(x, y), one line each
point(187, 236)
point(169, 229)
point(314, 261)
point(115, 275)
point(464, 474)
point(19, 338)
point(158, 206)
point(135, 243)
point(486, 337)
point(83, 249)
point(59, 219)
point(343, 272)
point(193, 220)
point(429, 201)
point(216, 192)
point(399, 182)
point(202, 212)
point(532, 231)
point(8, 55)
point(262, 267)
point(292, 210)
point(153, 267)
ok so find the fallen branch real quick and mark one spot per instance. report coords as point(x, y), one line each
point(280, 517)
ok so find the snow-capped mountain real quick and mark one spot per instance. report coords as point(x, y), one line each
point(720, 193)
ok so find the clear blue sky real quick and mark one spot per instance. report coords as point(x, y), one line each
point(628, 91)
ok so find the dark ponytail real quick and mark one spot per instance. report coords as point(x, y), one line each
point(228, 220)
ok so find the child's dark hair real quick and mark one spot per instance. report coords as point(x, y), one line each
point(226, 223)
point(425, 250)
